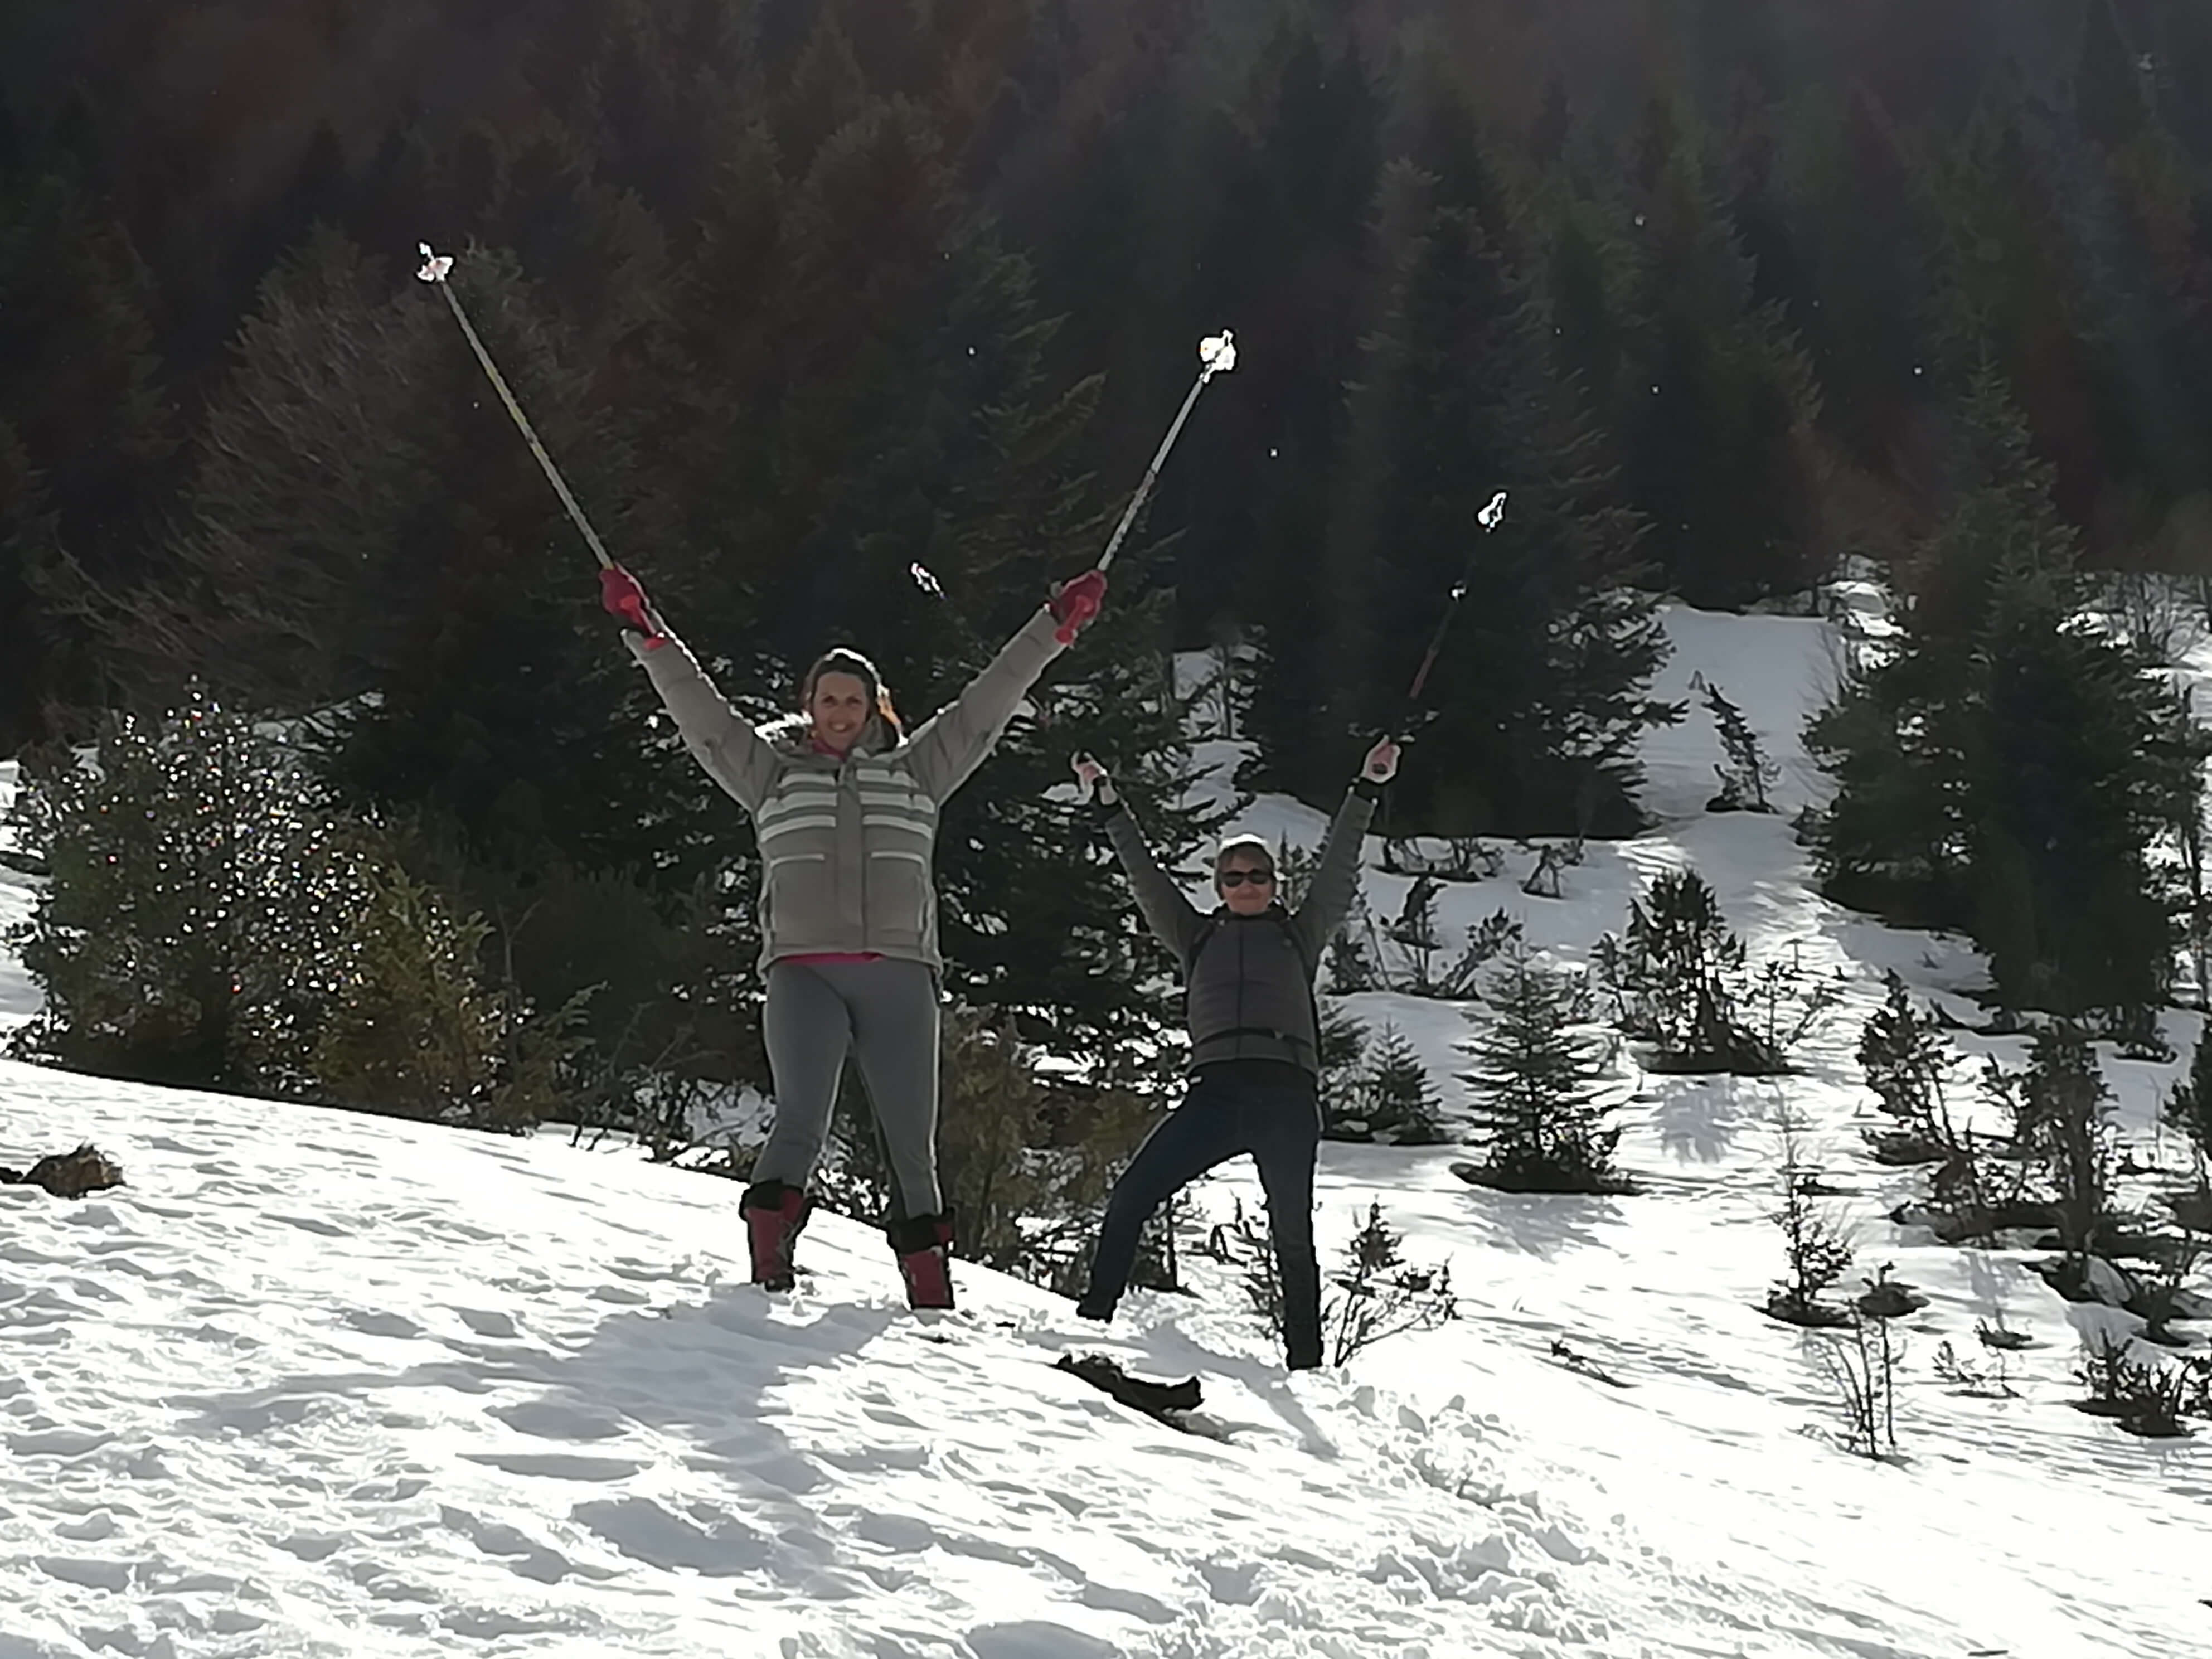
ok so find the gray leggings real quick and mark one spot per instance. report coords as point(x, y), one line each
point(884, 1011)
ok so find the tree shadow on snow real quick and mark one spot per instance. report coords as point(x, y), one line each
point(1698, 1119)
point(1543, 1225)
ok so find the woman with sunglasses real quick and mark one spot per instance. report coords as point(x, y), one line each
point(1248, 968)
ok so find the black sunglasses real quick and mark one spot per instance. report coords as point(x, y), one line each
point(1239, 877)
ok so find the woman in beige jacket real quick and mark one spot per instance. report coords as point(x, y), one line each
point(845, 804)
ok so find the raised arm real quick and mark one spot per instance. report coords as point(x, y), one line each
point(722, 740)
point(953, 741)
point(1173, 920)
point(1336, 877)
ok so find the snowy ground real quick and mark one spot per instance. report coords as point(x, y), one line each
point(316, 1383)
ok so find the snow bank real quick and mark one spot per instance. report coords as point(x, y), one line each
point(320, 1383)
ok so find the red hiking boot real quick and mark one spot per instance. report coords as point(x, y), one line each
point(924, 1246)
point(774, 1213)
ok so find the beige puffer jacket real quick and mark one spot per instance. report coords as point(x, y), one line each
point(847, 842)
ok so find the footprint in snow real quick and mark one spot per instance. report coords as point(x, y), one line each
point(1039, 1639)
point(558, 1420)
point(371, 1322)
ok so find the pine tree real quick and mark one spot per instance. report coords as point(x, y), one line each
point(1343, 1058)
point(1290, 236)
point(1819, 1250)
point(85, 435)
point(1399, 1104)
point(1861, 220)
point(2187, 1107)
point(1714, 403)
point(29, 547)
point(1539, 1085)
point(2005, 768)
point(1538, 692)
point(2108, 101)
point(2065, 1125)
point(1905, 1057)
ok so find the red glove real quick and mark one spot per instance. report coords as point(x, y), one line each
point(621, 594)
point(1074, 603)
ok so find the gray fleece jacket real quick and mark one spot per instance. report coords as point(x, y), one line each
point(847, 842)
point(1249, 979)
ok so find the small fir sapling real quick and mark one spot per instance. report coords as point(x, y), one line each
point(1540, 1083)
point(1675, 978)
point(1746, 774)
point(1818, 1249)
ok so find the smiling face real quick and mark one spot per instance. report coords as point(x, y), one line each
point(840, 710)
point(1253, 890)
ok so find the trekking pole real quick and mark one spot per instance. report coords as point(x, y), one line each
point(1490, 518)
point(1218, 355)
point(436, 268)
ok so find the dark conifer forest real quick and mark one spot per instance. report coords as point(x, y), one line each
point(1735, 297)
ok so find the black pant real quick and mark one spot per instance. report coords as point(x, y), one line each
point(1272, 1111)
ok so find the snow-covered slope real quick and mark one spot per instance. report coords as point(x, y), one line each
point(318, 1384)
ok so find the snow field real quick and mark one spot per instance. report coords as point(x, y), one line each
point(322, 1384)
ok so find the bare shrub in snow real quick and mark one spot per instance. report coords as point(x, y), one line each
point(1818, 1245)
point(1963, 1377)
point(1408, 950)
point(1380, 1295)
point(2148, 1397)
point(1465, 857)
point(1861, 1366)
point(1544, 879)
point(1375, 1296)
